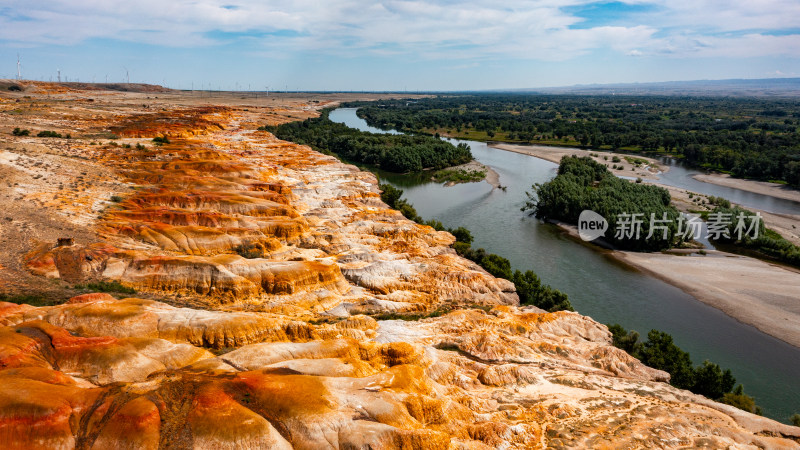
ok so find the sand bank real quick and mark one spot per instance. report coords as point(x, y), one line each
point(763, 295)
point(754, 292)
point(759, 187)
point(492, 177)
point(554, 154)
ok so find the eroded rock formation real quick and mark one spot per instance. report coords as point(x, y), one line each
point(270, 272)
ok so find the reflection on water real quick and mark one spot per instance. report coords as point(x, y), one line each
point(597, 284)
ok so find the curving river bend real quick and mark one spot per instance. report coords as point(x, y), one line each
point(599, 286)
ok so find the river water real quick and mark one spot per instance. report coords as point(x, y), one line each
point(597, 285)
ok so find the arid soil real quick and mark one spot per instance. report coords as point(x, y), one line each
point(279, 303)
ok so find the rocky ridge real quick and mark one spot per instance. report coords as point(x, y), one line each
point(274, 276)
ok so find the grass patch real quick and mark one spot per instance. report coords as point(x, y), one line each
point(636, 161)
point(106, 286)
point(458, 176)
point(410, 316)
point(28, 299)
point(413, 316)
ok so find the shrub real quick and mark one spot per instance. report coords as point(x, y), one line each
point(660, 352)
point(462, 235)
point(531, 291)
point(29, 299)
point(19, 132)
point(626, 340)
point(741, 400)
point(251, 250)
point(49, 134)
point(160, 140)
point(435, 224)
point(107, 286)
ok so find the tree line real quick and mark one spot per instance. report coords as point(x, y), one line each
point(660, 352)
point(391, 152)
point(749, 138)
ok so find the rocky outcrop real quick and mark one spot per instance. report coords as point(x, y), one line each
point(507, 378)
point(270, 270)
point(241, 217)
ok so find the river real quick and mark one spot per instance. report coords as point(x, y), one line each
point(597, 285)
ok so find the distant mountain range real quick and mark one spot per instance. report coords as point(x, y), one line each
point(764, 87)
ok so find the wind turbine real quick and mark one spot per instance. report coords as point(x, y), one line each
point(19, 68)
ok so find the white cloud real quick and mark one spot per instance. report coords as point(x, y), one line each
point(538, 29)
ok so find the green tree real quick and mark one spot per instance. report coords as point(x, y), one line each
point(462, 235)
point(711, 381)
point(531, 291)
point(660, 352)
point(626, 340)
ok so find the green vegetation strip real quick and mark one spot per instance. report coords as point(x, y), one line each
point(391, 152)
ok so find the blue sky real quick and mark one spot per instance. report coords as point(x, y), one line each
point(398, 45)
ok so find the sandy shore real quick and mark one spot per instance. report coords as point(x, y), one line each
point(554, 154)
point(751, 291)
point(759, 187)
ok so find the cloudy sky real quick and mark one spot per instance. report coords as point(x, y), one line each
point(398, 45)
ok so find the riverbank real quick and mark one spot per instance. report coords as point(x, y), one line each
point(626, 165)
point(758, 187)
point(751, 291)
